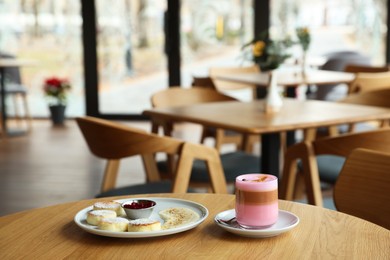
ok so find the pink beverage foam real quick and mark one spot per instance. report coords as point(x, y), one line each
point(256, 215)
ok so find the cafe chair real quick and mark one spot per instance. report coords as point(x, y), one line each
point(321, 160)
point(357, 68)
point(204, 82)
point(363, 186)
point(227, 136)
point(378, 98)
point(337, 61)
point(365, 82)
point(15, 89)
point(113, 142)
point(177, 96)
point(228, 86)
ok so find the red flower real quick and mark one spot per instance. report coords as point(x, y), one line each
point(56, 88)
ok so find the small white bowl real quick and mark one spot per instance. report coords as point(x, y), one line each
point(136, 209)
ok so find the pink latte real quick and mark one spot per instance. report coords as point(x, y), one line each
point(256, 200)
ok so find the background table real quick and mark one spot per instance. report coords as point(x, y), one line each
point(291, 79)
point(50, 233)
point(250, 118)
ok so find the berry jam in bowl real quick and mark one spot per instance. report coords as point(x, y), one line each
point(136, 209)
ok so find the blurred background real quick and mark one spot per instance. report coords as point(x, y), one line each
point(131, 42)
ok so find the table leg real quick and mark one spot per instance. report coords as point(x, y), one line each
point(270, 148)
point(291, 92)
point(261, 92)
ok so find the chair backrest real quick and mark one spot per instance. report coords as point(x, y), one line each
point(356, 68)
point(365, 82)
point(342, 145)
point(113, 141)
point(362, 188)
point(205, 82)
point(12, 74)
point(380, 98)
point(177, 96)
point(337, 61)
point(223, 85)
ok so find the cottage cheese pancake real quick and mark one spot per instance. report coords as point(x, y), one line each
point(176, 217)
point(110, 205)
point(113, 224)
point(143, 225)
point(94, 216)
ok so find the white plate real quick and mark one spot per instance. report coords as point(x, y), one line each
point(161, 203)
point(286, 221)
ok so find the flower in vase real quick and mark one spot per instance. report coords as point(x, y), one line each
point(304, 37)
point(268, 54)
point(56, 90)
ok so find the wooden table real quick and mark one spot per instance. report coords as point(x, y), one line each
point(291, 79)
point(8, 63)
point(249, 117)
point(50, 233)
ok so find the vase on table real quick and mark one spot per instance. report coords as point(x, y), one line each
point(57, 114)
point(273, 101)
point(304, 57)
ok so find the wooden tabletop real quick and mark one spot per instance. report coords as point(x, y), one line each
point(249, 117)
point(50, 233)
point(8, 62)
point(291, 78)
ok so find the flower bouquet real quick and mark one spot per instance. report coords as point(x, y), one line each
point(268, 54)
point(304, 39)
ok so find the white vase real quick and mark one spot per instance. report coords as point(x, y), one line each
point(273, 101)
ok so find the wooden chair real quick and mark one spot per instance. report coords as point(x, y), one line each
point(362, 188)
point(223, 85)
point(204, 82)
point(245, 142)
point(233, 163)
point(322, 160)
point(365, 82)
point(357, 68)
point(177, 96)
point(379, 98)
point(112, 141)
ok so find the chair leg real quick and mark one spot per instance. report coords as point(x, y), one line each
point(16, 108)
point(110, 175)
point(27, 113)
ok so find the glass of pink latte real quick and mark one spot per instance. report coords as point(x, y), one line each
point(256, 200)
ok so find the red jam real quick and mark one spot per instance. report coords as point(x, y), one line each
point(140, 205)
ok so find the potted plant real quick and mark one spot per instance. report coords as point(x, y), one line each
point(56, 91)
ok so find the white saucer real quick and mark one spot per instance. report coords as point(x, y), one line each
point(286, 222)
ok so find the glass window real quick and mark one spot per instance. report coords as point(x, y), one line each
point(212, 34)
point(48, 32)
point(335, 25)
point(132, 63)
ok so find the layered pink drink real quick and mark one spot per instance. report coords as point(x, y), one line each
point(256, 200)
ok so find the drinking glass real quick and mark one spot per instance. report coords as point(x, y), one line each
point(256, 200)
